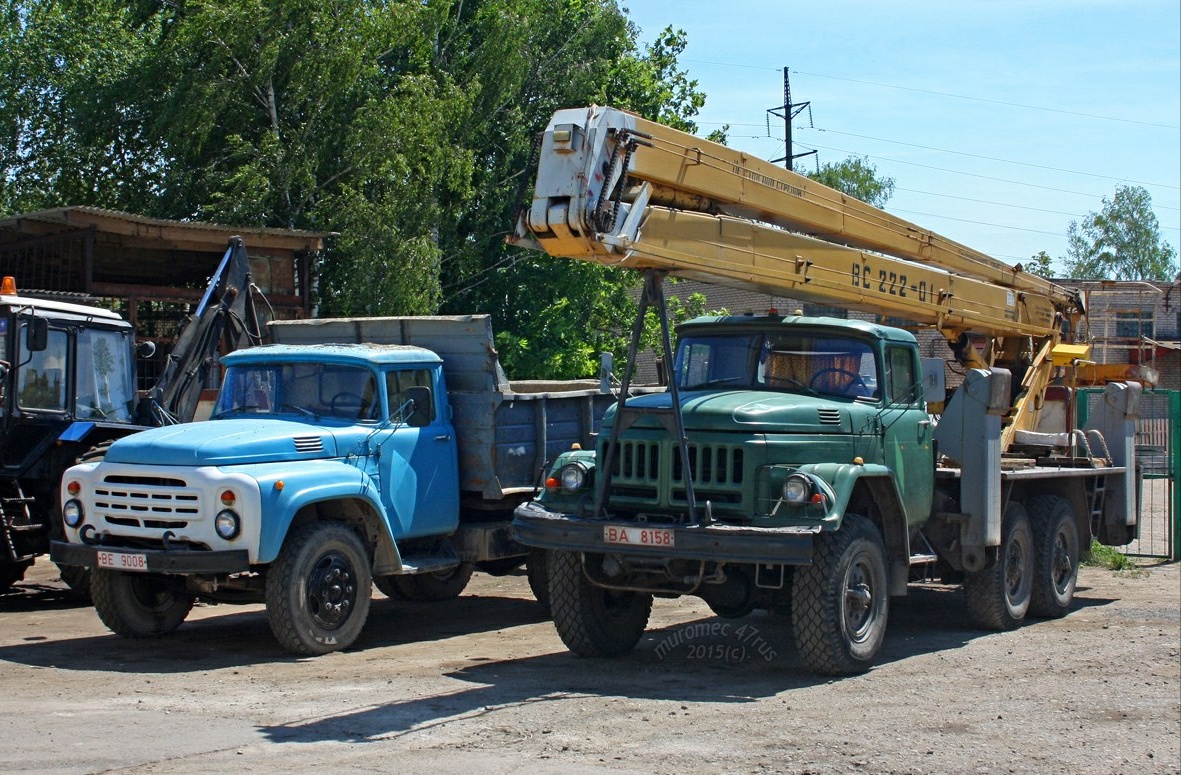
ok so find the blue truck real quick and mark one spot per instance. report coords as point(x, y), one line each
point(350, 453)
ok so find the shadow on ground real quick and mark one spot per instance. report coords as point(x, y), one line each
point(705, 660)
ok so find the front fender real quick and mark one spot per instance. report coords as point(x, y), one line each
point(843, 478)
point(287, 488)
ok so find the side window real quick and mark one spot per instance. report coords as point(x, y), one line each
point(901, 376)
point(398, 383)
point(43, 376)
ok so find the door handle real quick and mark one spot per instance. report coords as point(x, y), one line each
point(444, 437)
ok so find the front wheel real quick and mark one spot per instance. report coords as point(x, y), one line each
point(840, 603)
point(77, 578)
point(1055, 551)
point(139, 605)
point(998, 597)
point(12, 572)
point(590, 620)
point(318, 589)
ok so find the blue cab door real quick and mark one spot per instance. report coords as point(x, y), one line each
point(417, 464)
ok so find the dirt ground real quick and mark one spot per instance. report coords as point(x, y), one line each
point(483, 685)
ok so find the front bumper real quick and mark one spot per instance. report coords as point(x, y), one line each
point(178, 561)
point(534, 525)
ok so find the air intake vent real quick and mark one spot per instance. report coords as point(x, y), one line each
point(829, 416)
point(309, 444)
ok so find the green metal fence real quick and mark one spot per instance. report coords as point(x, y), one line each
point(1158, 459)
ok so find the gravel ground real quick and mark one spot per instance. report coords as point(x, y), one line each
point(482, 684)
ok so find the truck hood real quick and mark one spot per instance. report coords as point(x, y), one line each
point(748, 410)
point(236, 441)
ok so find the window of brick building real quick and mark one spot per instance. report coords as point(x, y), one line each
point(1133, 324)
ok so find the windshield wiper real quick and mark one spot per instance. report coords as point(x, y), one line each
point(300, 409)
point(713, 383)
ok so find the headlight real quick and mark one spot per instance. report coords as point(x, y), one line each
point(73, 513)
point(797, 489)
point(227, 524)
point(572, 477)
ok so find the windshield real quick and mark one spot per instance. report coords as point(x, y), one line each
point(316, 390)
point(819, 364)
point(104, 375)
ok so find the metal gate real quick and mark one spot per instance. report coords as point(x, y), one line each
point(1158, 460)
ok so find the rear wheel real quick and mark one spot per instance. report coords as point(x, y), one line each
point(318, 589)
point(433, 587)
point(840, 603)
point(139, 605)
point(388, 586)
point(593, 621)
point(998, 597)
point(537, 571)
point(1056, 553)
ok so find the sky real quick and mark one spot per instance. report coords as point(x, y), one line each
point(1000, 121)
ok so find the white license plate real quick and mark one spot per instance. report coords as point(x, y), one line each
point(123, 561)
point(638, 536)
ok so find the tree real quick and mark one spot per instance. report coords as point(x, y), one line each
point(858, 178)
point(1121, 242)
point(405, 127)
point(1040, 264)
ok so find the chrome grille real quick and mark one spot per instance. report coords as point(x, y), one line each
point(146, 501)
point(651, 473)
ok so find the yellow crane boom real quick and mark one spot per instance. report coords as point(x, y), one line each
point(619, 190)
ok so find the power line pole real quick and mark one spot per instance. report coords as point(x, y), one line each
point(788, 111)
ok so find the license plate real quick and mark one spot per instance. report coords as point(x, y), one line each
point(123, 561)
point(638, 536)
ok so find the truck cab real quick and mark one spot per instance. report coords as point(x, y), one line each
point(341, 458)
point(796, 428)
point(66, 382)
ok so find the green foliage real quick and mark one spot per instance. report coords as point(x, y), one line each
point(1121, 242)
point(1101, 556)
point(406, 127)
point(858, 178)
point(1040, 264)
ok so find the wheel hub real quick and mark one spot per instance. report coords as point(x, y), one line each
point(859, 601)
point(332, 591)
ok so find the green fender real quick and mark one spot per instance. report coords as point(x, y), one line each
point(843, 478)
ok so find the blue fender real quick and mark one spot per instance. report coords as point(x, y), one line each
point(308, 483)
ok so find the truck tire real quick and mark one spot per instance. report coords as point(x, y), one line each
point(139, 605)
point(318, 589)
point(434, 587)
point(998, 597)
point(537, 572)
point(590, 620)
point(840, 603)
point(12, 572)
point(502, 567)
point(1056, 553)
point(77, 578)
point(388, 586)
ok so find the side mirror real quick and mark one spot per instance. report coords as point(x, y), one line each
point(423, 406)
point(36, 335)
